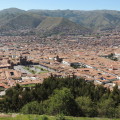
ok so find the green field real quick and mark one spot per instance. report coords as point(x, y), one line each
point(44, 117)
point(29, 85)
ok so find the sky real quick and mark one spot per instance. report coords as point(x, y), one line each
point(61, 4)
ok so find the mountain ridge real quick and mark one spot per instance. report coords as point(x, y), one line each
point(17, 19)
point(95, 19)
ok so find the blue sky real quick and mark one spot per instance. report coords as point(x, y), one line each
point(61, 4)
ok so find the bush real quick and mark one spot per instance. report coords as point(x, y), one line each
point(32, 108)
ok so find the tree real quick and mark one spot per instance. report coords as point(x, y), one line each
point(115, 95)
point(32, 108)
point(117, 112)
point(12, 98)
point(86, 106)
point(106, 108)
point(62, 102)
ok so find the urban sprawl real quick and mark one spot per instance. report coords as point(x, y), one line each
point(27, 60)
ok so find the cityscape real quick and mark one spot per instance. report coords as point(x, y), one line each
point(59, 64)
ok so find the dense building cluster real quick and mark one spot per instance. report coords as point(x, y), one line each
point(29, 59)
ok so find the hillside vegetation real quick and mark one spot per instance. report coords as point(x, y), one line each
point(62, 22)
point(69, 96)
point(24, 21)
point(97, 19)
point(61, 26)
point(13, 20)
point(9, 14)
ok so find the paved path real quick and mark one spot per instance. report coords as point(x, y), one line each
point(32, 67)
point(21, 69)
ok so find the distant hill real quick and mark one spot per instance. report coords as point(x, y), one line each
point(24, 21)
point(97, 19)
point(12, 11)
point(48, 22)
point(61, 26)
point(8, 14)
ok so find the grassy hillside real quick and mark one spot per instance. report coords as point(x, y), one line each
point(98, 19)
point(8, 14)
point(23, 21)
point(49, 23)
point(61, 26)
point(14, 19)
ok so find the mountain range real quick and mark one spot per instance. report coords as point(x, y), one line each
point(48, 22)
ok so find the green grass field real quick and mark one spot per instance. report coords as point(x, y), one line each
point(44, 117)
point(29, 85)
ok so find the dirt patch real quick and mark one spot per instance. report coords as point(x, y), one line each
point(5, 115)
point(8, 115)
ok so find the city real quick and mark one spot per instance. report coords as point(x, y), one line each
point(29, 59)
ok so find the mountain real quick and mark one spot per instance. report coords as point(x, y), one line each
point(22, 22)
point(61, 26)
point(8, 14)
point(48, 22)
point(19, 22)
point(97, 19)
point(12, 11)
